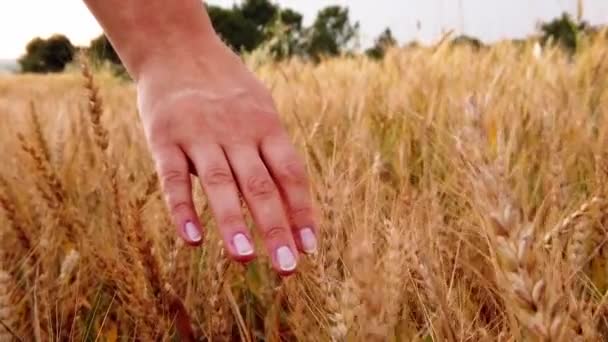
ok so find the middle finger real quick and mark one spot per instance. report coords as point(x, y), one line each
point(216, 179)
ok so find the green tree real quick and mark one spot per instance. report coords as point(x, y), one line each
point(385, 41)
point(101, 49)
point(290, 18)
point(260, 12)
point(564, 31)
point(285, 34)
point(332, 33)
point(246, 26)
point(237, 31)
point(47, 55)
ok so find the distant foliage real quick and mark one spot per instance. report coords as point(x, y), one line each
point(382, 43)
point(235, 29)
point(564, 31)
point(285, 36)
point(102, 50)
point(47, 55)
point(332, 33)
point(257, 23)
point(245, 27)
point(280, 33)
point(259, 12)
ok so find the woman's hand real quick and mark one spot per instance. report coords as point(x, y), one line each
point(203, 111)
point(208, 114)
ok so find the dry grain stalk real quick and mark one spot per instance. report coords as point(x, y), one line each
point(167, 302)
point(95, 106)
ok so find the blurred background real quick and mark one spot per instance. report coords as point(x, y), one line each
point(304, 26)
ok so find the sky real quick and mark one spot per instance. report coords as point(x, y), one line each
point(489, 20)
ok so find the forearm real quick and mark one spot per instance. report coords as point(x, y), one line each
point(151, 32)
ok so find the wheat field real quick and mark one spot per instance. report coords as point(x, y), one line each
point(462, 197)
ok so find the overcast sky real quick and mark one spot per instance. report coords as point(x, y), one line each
point(21, 20)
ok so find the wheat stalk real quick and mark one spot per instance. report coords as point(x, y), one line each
point(8, 310)
point(167, 301)
point(563, 226)
point(393, 271)
point(219, 324)
point(10, 210)
point(95, 106)
point(512, 239)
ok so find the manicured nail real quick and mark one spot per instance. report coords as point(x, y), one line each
point(192, 232)
point(242, 244)
point(309, 241)
point(287, 261)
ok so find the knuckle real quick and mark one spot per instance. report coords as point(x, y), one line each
point(275, 233)
point(301, 214)
point(260, 187)
point(157, 129)
point(218, 176)
point(178, 206)
point(171, 178)
point(292, 172)
point(231, 219)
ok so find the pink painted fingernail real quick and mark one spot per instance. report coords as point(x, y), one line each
point(242, 244)
point(309, 241)
point(192, 232)
point(287, 261)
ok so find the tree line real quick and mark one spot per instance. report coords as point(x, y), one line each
point(255, 23)
point(244, 27)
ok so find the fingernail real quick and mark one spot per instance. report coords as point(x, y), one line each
point(287, 261)
point(309, 241)
point(242, 244)
point(192, 232)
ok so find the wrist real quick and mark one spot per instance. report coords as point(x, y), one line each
point(200, 68)
point(172, 52)
point(151, 32)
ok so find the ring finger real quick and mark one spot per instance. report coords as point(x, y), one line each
point(265, 205)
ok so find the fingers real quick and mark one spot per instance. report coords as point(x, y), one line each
point(222, 193)
point(172, 168)
point(290, 175)
point(265, 204)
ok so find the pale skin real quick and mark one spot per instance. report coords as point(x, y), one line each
point(204, 111)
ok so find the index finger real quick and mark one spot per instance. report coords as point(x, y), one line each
point(172, 167)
